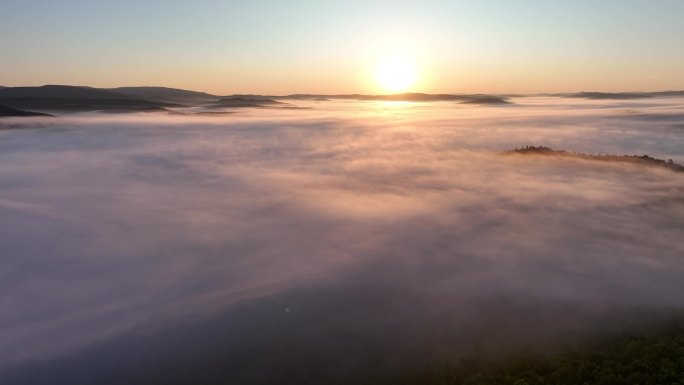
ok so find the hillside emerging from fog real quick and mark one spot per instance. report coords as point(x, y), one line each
point(634, 159)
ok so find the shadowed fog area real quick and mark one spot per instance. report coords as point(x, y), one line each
point(348, 241)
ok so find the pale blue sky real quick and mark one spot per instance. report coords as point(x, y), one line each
point(331, 46)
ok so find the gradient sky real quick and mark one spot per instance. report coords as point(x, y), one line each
point(331, 46)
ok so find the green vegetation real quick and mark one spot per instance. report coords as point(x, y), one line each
point(651, 358)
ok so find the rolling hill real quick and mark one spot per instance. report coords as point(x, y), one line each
point(162, 93)
point(7, 112)
point(76, 99)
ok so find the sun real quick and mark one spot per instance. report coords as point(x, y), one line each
point(396, 74)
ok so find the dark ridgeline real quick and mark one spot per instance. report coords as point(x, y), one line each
point(12, 112)
point(241, 102)
point(620, 95)
point(635, 159)
point(59, 92)
point(75, 99)
point(487, 100)
point(409, 97)
point(134, 99)
point(162, 93)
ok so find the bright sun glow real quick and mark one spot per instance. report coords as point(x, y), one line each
point(396, 74)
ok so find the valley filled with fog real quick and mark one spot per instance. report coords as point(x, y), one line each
point(331, 240)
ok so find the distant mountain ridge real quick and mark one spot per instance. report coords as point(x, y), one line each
point(620, 95)
point(135, 99)
point(59, 91)
point(75, 98)
point(78, 98)
point(233, 102)
point(403, 97)
point(12, 112)
point(162, 93)
point(487, 100)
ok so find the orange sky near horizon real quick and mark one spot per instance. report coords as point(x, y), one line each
point(334, 47)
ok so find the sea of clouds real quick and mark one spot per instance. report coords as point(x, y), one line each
point(341, 238)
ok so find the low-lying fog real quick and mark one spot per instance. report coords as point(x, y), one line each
point(352, 237)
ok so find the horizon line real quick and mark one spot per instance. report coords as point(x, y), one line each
point(355, 93)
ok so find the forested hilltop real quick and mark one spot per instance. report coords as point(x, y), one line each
point(638, 159)
point(650, 358)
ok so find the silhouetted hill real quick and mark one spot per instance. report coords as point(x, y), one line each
point(487, 100)
point(134, 99)
point(162, 93)
point(404, 97)
point(7, 111)
point(70, 98)
point(636, 159)
point(68, 104)
point(214, 113)
point(257, 97)
point(129, 109)
point(415, 97)
point(57, 91)
point(609, 95)
point(668, 93)
point(237, 102)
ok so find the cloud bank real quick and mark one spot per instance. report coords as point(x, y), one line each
point(295, 239)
